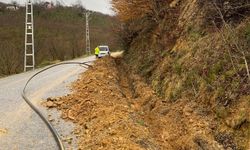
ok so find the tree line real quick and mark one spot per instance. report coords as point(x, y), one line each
point(59, 35)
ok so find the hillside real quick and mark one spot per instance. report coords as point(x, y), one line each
point(181, 83)
point(195, 55)
point(59, 35)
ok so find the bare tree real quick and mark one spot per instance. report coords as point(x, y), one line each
point(233, 42)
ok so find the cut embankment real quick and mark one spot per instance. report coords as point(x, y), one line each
point(115, 109)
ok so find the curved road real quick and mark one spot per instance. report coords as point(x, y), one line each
point(20, 127)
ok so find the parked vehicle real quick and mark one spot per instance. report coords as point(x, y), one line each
point(104, 51)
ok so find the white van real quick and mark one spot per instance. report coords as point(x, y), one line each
point(104, 51)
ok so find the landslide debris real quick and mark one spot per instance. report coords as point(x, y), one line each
point(114, 108)
point(101, 105)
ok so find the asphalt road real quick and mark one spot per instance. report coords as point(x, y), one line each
point(20, 127)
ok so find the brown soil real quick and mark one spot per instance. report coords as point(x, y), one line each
point(3, 131)
point(114, 109)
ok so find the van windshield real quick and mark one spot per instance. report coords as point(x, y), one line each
point(103, 48)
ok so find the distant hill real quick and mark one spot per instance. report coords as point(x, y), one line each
point(59, 35)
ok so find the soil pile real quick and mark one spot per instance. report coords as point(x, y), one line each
point(101, 105)
point(115, 109)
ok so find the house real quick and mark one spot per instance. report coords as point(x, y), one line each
point(12, 8)
point(48, 5)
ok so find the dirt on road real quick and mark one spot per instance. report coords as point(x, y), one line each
point(3, 131)
point(115, 109)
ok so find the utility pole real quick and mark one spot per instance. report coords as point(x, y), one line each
point(88, 50)
point(29, 57)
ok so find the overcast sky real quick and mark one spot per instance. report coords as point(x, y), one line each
point(103, 6)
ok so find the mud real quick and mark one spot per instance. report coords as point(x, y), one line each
point(115, 109)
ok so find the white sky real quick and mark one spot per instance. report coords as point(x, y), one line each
point(103, 6)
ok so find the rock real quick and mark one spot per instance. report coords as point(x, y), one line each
point(71, 114)
point(51, 120)
point(64, 116)
point(50, 99)
point(88, 81)
point(50, 104)
point(59, 102)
